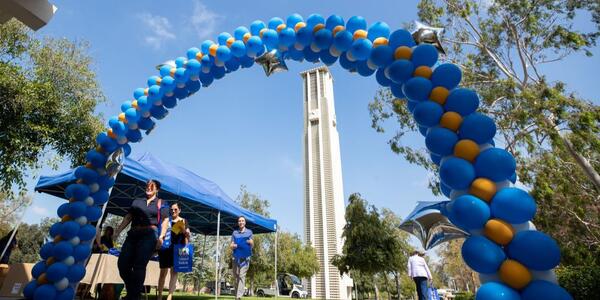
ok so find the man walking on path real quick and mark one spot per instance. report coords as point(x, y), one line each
point(241, 244)
point(419, 272)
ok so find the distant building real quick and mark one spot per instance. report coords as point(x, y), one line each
point(35, 14)
point(323, 188)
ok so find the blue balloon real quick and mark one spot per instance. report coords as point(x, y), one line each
point(399, 38)
point(223, 37)
point(63, 210)
point(382, 56)
point(191, 53)
point(495, 164)
point(323, 39)
point(29, 289)
point(137, 93)
point(293, 19)
point(423, 131)
point(93, 213)
point(343, 40)
point(76, 273)
point(38, 269)
point(231, 65)
point(254, 45)
point(126, 105)
point(66, 294)
point(363, 69)
point(77, 191)
point(446, 75)
point(238, 49)
point(456, 173)
point(88, 176)
point(165, 70)
point(239, 32)
point(513, 178)
point(346, 63)
point(540, 289)
point(310, 56)
point(246, 61)
point(146, 123)
point(192, 86)
point(304, 36)
point(478, 127)
point(179, 76)
point(313, 20)
point(193, 68)
point(469, 212)
point(100, 197)
point(256, 27)
point(295, 54)
point(169, 102)
point(274, 22)
point(205, 78)
point(333, 21)
point(44, 292)
point(132, 115)
point(62, 250)
point(77, 209)
point(144, 104)
point(159, 112)
point(513, 205)
point(327, 58)
point(397, 92)
point(378, 29)
point(96, 158)
point(56, 271)
point(361, 49)
point(446, 190)
point(428, 113)
point(440, 140)
point(112, 121)
point(400, 70)
point(534, 249)
point(223, 53)
point(496, 291)
point(55, 229)
point(383, 80)
point(417, 88)
point(424, 55)
point(270, 39)
point(81, 252)
point(287, 37)
point(69, 229)
point(463, 101)
point(355, 23)
point(482, 255)
point(88, 231)
point(126, 149)
point(207, 61)
point(47, 250)
point(180, 62)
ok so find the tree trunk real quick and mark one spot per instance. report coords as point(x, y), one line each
point(387, 285)
point(397, 279)
point(376, 289)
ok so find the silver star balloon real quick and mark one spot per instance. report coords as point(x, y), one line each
point(170, 63)
point(428, 223)
point(272, 62)
point(425, 34)
point(114, 163)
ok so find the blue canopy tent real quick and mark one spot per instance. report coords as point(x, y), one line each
point(201, 199)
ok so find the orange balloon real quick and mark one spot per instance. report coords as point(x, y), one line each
point(59, 238)
point(299, 25)
point(466, 149)
point(452, 121)
point(111, 134)
point(50, 261)
point(42, 279)
point(158, 81)
point(423, 71)
point(380, 41)
point(280, 27)
point(483, 188)
point(499, 231)
point(171, 72)
point(146, 89)
point(318, 27)
point(439, 94)
point(213, 48)
point(337, 29)
point(122, 118)
point(230, 41)
point(360, 34)
point(199, 56)
point(247, 36)
point(514, 274)
point(402, 52)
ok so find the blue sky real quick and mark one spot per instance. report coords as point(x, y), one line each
point(247, 128)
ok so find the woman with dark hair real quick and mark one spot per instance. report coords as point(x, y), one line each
point(179, 236)
point(145, 215)
point(105, 242)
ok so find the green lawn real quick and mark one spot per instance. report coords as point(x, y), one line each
point(208, 297)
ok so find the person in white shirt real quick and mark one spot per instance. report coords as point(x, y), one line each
point(419, 272)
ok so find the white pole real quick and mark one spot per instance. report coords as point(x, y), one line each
point(12, 235)
point(217, 255)
point(276, 238)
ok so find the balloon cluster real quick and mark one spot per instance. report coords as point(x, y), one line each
point(514, 260)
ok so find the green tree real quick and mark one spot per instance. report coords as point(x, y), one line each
point(30, 239)
point(48, 93)
point(295, 257)
point(455, 274)
point(501, 47)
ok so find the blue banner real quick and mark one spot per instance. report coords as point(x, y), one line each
point(182, 258)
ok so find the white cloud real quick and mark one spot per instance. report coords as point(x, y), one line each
point(159, 29)
point(203, 20)
point(41, 211)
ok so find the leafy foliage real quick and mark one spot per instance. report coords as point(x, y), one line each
point(48, 93)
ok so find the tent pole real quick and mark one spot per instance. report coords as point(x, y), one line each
point(217, 256)
point(276, 248)
point(201, 263)
point(14, 232)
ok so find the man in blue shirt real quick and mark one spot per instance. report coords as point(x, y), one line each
point(241, 244)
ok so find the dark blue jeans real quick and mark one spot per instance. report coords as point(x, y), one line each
point(135, 254)
point(422, 290)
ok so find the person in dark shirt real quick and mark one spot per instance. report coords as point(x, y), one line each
point(105, 242)
point(180, 234)
point(143, 238)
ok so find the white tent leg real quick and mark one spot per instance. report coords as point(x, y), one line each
point(276, 285)
point(14, 232)
point(217, 256)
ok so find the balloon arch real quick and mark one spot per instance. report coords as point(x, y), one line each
point(514, 260)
